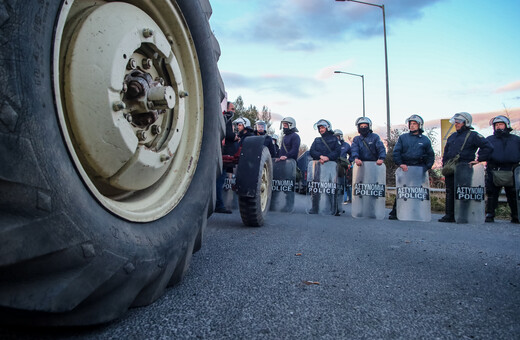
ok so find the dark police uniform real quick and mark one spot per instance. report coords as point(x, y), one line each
point(326, 145)
point(375, 151)
point(413, 150)
point(452, 148)
point(505, 156)
point(290, 145)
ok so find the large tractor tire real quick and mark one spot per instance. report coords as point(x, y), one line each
point(254, 181)
point(109, 146)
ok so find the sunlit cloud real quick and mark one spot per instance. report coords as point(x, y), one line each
point(289, 85)
point(509, 87)
point(328, 71)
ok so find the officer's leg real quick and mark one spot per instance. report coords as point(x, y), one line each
point(393, 213)
point(450, 200)
point(220, 183)
point(492, 192)
point(511, 200)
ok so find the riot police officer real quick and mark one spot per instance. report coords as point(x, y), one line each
point(326, 147)
point(260, 130)
point(412, 149)
point(229, 147)
point(243, 129)
point(367, 146)
point(290, 145)
point(500, 167)
point(345, 147)
point(276, 147)
point(344, 165)
point(464, 143)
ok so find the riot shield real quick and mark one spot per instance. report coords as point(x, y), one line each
point(517, 187)
point(284, 177)
point(322, 189)
point(470, 205)
point(229, 195)
point(413, 194)
point(369, 191)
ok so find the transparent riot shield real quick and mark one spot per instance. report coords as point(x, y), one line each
point(322, 188)
point(229, 196)
point(369, 191)
point(413, 194)
point(517, 187)
point(284, 180)
point(470, 205)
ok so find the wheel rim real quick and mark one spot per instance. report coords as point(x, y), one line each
point(129, 99)
point(264, 193)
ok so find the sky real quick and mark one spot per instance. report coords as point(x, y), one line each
point(444, 56)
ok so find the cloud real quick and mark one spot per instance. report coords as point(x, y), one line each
point(289, 85)
point(481, 120)
point(509, 87)
point(328, 71)
point(305, 24)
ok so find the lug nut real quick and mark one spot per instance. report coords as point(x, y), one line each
point(129, 118)
point(117, 106)
point(147, 63)
point(165, 158)
point(160, 80)
point(150, 105)
point(147, 32)
point(141, 135)
point(132, 64)
point(156, 129)
point(183, 94)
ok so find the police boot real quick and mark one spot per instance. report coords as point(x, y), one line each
point(490, 218)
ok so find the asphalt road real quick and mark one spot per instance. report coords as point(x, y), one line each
point(327, 277)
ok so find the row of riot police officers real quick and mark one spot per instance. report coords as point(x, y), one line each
point(236, 133)
point(501, 151)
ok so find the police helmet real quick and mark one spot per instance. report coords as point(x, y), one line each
point(338, 132)
point(463, 117)
point(500, 119)
point(275, 136)
point(323, 122)
point(290, 121)
point(415, 118)
point(261, 123)
point(364, 120)
point(242, 120)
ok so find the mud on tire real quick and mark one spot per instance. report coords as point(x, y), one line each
point(81, 242)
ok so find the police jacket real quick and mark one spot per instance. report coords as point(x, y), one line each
point(376, 149)
point(345, 150)
point(414, 149)
point(506, 151)
point(276, 150)
point(244, 134)
point(326, 145)
point(269, 144)
point(290, 145)
point(474, 142)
